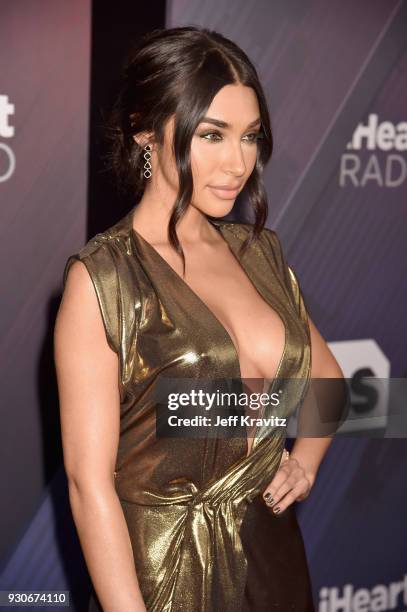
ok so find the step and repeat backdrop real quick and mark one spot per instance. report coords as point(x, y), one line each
point(335, 78)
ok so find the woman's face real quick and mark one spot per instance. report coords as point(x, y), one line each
point(223, 150)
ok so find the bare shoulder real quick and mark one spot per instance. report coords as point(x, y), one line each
point(78, 296)
point(79, 322)
point(78, 281)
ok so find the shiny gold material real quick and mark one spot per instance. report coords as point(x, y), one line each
point(202, 536)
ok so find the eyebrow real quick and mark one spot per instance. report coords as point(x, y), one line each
point(223, 124)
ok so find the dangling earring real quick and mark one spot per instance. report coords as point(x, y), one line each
point(147, 157)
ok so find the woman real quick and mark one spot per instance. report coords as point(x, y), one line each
point(167, 523)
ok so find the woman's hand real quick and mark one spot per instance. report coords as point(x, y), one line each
point(290, 483)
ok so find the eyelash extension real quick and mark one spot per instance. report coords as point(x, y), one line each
point(257, 136)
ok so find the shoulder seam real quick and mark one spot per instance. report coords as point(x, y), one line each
point(97, 241)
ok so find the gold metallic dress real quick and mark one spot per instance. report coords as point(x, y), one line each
point(203, 539)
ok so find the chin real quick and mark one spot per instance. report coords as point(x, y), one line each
point(218, 211)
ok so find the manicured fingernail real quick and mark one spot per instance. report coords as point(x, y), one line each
point(276, 510)
point(267, 496)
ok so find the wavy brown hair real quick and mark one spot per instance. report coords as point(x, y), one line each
point(178, 72)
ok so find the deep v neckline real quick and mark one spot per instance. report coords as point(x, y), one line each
point(160, 259)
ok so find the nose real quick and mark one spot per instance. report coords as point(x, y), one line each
point(234, 162)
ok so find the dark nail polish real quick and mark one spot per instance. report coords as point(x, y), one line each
point(267, 496)
point(276, 510)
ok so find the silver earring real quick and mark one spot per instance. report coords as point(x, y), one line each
point(147, 157)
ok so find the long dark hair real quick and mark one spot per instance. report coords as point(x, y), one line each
point(178, 71)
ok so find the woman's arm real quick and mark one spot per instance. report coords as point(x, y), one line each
point(87, 375)
point(308, 451)
point(296, 475)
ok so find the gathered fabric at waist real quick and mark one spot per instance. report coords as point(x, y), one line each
point(186, 543)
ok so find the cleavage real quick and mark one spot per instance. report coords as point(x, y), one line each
point(254, 327)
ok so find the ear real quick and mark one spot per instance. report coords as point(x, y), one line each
point(142, 139)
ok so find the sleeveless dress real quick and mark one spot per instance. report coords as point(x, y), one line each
point(203, 539)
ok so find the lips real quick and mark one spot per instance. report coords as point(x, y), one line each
point(225, 192)
point(226, 187)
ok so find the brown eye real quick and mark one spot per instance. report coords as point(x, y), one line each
point(254, 137)
point(204, 136)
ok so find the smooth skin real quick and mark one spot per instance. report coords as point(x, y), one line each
point(88, 370)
